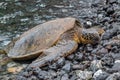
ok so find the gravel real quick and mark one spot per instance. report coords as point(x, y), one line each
point(96, 62)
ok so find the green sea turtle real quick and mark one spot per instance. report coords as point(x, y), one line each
point(52, 40)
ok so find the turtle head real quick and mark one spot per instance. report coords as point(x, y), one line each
point(91, 36)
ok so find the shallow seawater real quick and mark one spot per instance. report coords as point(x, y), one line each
point(17, 16)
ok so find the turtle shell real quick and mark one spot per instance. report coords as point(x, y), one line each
point(32, 42)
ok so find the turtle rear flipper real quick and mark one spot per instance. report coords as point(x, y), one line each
point(61, 49)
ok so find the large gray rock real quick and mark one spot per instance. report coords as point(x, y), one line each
point(100, 75)
point(114, 76)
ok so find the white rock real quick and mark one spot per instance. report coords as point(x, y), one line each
point(117, 61)
point(89, 23)
point(84, 75)
point(96, 74)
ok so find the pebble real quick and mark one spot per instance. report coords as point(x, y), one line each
point(53, 73)
point(87, 24)
point(61, 62)
point(33, 78)
point(79, 56)
point(110, 10)
point(11, 64)
point(107, 60)
point(67, 67)
point(112, 1)
point(103, 51)
point(95, 65)
point(53, 66)
point(97, 73)
point(118, 1)
point(65, 77)
point(21, 78)
point(84, 75)
point(117, 61)
point(36, 71)
point(70, 57)
point(100, 75)
point(42, 75)
point(78, 67)
point(114, 76)
point(115, 67)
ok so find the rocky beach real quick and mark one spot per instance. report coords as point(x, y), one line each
point(88, 62)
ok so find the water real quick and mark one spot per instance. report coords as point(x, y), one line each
point(17, 16)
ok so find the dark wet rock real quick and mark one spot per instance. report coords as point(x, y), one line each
point(61, 73)
point(100, 75)
point(84, 75)
point(36, 71)
point(67, 67)
point(110, 10)
point(73, 76)
point(105, 19)
point(95, 65)
point(115, 49)
point(108, 60)
point(114, 76)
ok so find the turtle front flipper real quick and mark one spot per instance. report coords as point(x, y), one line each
point(61, 49)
